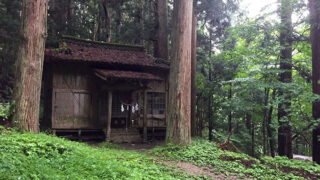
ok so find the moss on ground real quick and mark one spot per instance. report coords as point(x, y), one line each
point(39, 156)
point(208, 154)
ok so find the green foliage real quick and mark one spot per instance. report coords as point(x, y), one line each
point(6, 111)
point(31, 156)
point(9, 28)
point(247, 64)
point(208, 154)
point(109, 145)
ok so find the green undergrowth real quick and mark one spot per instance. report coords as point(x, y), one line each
point(209, 155)
point(40, 156)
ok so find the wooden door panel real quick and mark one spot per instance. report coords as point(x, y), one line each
point(63, 110)
point(83, 114)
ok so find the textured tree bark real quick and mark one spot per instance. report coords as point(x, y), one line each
point(33, 33)
point(139, 21)
point(107, 13)
point(99, 33)
point(315, 39)
point(61, 13)
point(200, 114)
point(265, 117)
point(284, 131)
point(118, 20)
point(252, 139)
point(178, 121)
point(230, 111)
point(69, 16)
point(269, 128)
point(210, 120)
point(96, 23)
point(193, 75)
point(70, 10)
point(161, 47)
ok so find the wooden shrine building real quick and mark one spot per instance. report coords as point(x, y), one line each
point(94, 86)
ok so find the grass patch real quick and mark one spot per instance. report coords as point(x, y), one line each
point(39, 156)
point(205, 153)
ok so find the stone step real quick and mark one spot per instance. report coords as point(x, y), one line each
point(116, 138)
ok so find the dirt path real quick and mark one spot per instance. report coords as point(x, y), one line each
point(192, 169)
point(185, 167)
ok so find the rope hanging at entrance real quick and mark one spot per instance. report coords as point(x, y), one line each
point(134, 107)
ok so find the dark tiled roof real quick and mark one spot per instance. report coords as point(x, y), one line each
point(125, 74)
point(90, 51)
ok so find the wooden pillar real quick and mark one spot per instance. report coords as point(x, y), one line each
point(128, 120)
point(109, 115)
point(145, 119)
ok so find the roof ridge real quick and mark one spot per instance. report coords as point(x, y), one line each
point(117, 46)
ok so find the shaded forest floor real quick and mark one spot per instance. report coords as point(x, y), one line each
point(32, 156)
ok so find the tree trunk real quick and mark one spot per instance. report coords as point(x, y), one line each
point(210, 112)
point(69, 17)
point(33, 33)
point(198, 125)
point(230, 110)
point(193, 75)
point(200, 115)
point(161, 47)
point(70, 10)
point(52, 7)
point(284, 132)
point(210, 94)
point(99, 33)
point(264, 123)
point(139, 21)
point(269, 128)
point(252, 139)
point(107, 13)
point(118, 20)
point(96, 24)
point(179, 125)
point(315, 39)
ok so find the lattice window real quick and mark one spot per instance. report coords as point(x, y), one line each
point(117, 98)
point(156, 103)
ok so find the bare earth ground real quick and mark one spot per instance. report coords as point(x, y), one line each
point(186, 167)
point(192, 169)
point(141, 146)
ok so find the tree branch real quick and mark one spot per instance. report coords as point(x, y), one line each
point(306, 75)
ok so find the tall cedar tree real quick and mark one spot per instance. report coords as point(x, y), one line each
point(193, 73)
point(29, 64)
point(178, 122)
point(210, 118)
point(315, 38)
point(284, 132)
point(161, 45)
point(107, 13)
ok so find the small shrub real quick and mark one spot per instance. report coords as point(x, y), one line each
point(204, 153)
point(109, 145)
point(40, 156)
point(5, 111)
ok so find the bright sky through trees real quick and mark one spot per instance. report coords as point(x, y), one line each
point(254, 7)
